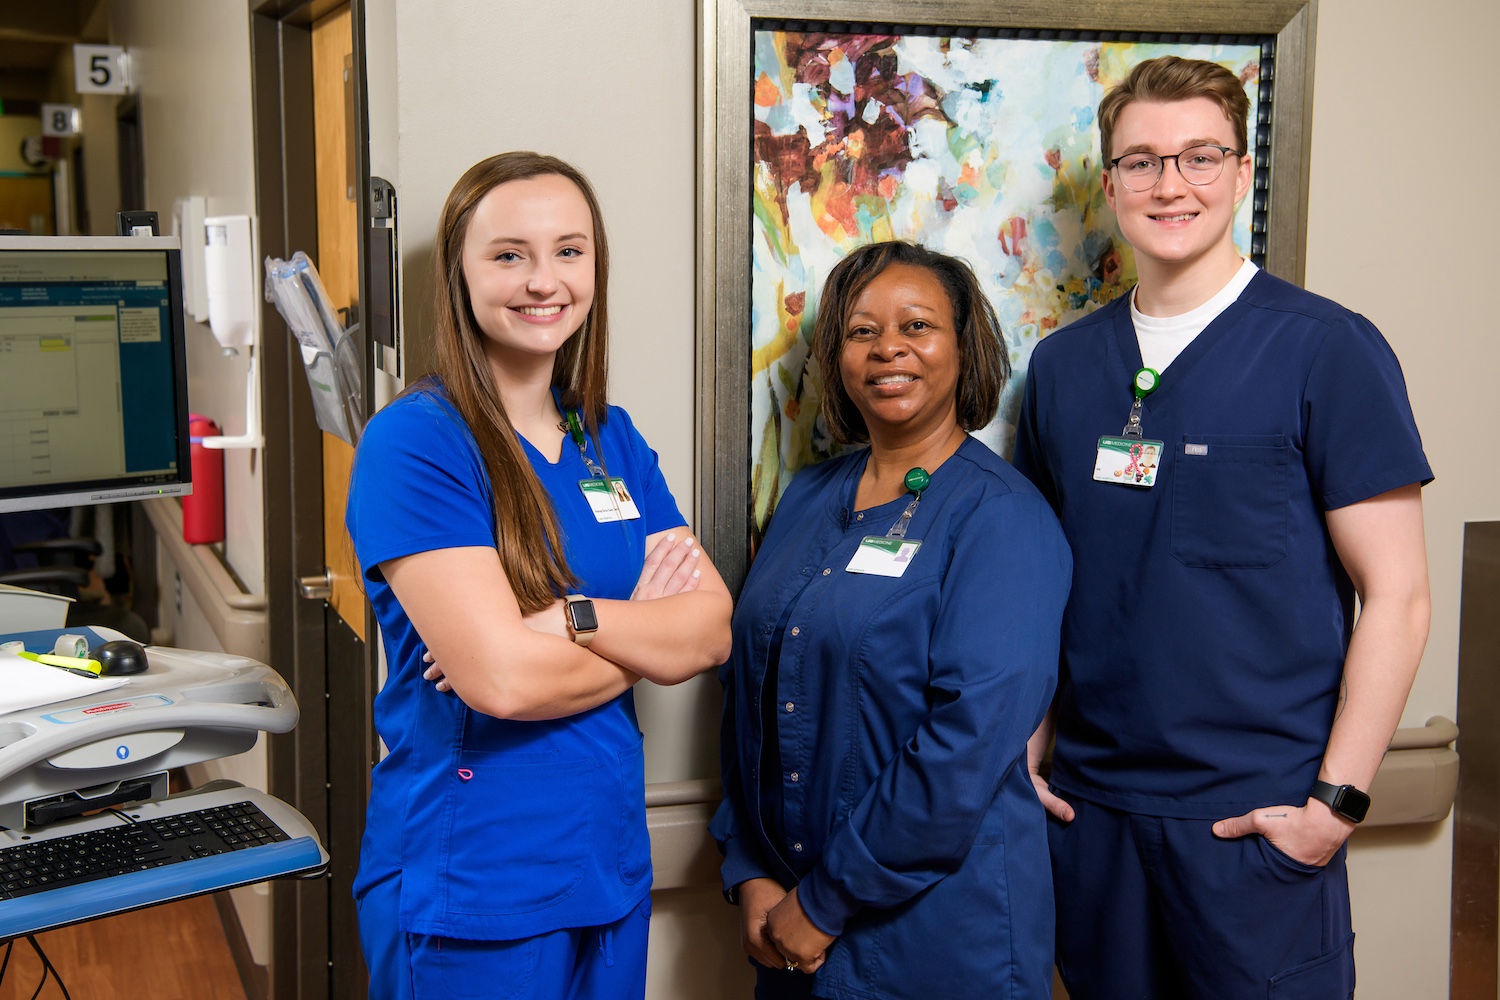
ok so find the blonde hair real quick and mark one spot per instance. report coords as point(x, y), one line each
point(1172, 78)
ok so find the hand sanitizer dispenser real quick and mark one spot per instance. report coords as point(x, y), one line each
point(233, 313)
point(229, 272)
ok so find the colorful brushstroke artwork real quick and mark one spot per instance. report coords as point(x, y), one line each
point(981, 148)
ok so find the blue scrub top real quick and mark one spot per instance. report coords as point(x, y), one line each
point(497, 829)
point(902, 709)
point(1204, 641)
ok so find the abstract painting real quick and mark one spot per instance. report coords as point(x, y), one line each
point(985, 148)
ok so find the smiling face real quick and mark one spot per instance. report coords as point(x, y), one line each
point(1177, 225)
point(529, 263)
point(900, 359)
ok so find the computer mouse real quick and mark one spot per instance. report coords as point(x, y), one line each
point(120, 656)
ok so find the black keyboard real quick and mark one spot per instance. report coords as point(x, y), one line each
point(134, 847)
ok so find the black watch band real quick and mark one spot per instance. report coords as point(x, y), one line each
point(1345, 800)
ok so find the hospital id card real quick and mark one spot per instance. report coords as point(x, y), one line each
point(1128, 461)
point(879, 555)
point(610, 501)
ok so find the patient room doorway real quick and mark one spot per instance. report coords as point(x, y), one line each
point(312, 190)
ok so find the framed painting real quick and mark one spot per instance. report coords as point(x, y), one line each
point(965, 126)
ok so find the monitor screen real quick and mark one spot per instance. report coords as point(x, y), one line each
point(93, 371)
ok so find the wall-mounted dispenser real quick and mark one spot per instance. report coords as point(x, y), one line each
point(233, 315)
point(187, 225)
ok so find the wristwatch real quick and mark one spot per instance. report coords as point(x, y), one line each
point(582, 621)
point(1345, 800)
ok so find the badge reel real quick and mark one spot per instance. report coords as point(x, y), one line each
point(607, 496)
point(1130, 459)
point(891, 553)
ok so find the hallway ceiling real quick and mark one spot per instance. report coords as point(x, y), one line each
point(34, 37)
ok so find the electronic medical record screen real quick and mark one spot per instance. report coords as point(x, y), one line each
point(93, 376)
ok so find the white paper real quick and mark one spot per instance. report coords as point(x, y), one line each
point(26, 684)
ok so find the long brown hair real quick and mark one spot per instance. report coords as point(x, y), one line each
point(527, 535)
point(984, 361)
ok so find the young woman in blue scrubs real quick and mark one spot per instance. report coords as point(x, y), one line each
point(515, 528)
point(894, 645)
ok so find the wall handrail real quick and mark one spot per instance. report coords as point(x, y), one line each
point(238, 619)
point(1439, 732)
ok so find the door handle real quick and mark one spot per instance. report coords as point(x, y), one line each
point(316, 588)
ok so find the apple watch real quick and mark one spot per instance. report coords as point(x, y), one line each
point(583, 622)
point(1345, 800)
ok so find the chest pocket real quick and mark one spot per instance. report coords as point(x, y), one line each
point(1231, 501)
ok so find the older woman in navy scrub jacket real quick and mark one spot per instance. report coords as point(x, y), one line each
point(505, 852)
point(894, 646)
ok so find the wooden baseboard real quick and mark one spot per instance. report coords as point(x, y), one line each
point(255, 978)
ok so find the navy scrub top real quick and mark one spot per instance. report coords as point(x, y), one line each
point(1204, 641)
point(498, 829)
point(903, 707)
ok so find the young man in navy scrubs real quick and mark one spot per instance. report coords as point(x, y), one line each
point(1219, 716)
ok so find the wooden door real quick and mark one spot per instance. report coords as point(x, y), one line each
point(339, 194)
point(26, 203)
point(305, 114)
point(338, 265)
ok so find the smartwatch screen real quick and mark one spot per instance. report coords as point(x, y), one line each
point(584, 619)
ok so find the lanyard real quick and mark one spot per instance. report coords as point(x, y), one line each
point(1144, 384)
point(575, 431)
point(916, 481)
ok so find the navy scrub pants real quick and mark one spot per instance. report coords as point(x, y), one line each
point(576, 963)
point(1150, 908)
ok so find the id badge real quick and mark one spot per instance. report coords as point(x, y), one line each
point(609, 501)
point(879, 555)
point(1127, 461)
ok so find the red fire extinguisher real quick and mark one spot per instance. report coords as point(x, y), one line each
point(203, 509)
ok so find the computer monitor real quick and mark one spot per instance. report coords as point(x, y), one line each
point(93, 371)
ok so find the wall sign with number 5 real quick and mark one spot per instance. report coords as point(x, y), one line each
point(101, 69)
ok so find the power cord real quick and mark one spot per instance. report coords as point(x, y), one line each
point(47, 968)
point(123, 817)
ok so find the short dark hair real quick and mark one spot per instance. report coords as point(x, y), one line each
point(984, 360)
point(1172, 78)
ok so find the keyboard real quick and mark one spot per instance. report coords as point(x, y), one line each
point(156, 842)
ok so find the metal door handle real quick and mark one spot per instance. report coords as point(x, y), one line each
point(316, 588)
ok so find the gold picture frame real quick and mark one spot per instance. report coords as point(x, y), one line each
point(724, 196)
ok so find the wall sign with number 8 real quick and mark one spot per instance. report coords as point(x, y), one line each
point(101, 69)
point(61, 120)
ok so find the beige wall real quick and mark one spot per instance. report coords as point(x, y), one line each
point(1398, 83)
point(488, 77)
point(1389, 232)
point(13, 130)
point(191, 67)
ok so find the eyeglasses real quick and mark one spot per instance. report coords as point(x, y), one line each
point(1198, 165)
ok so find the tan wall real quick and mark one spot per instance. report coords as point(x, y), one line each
point(489, 77)
point(191, 67)
point(13, 129)
point(1410, 248)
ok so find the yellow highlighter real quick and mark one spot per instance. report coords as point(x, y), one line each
point(72, 664)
